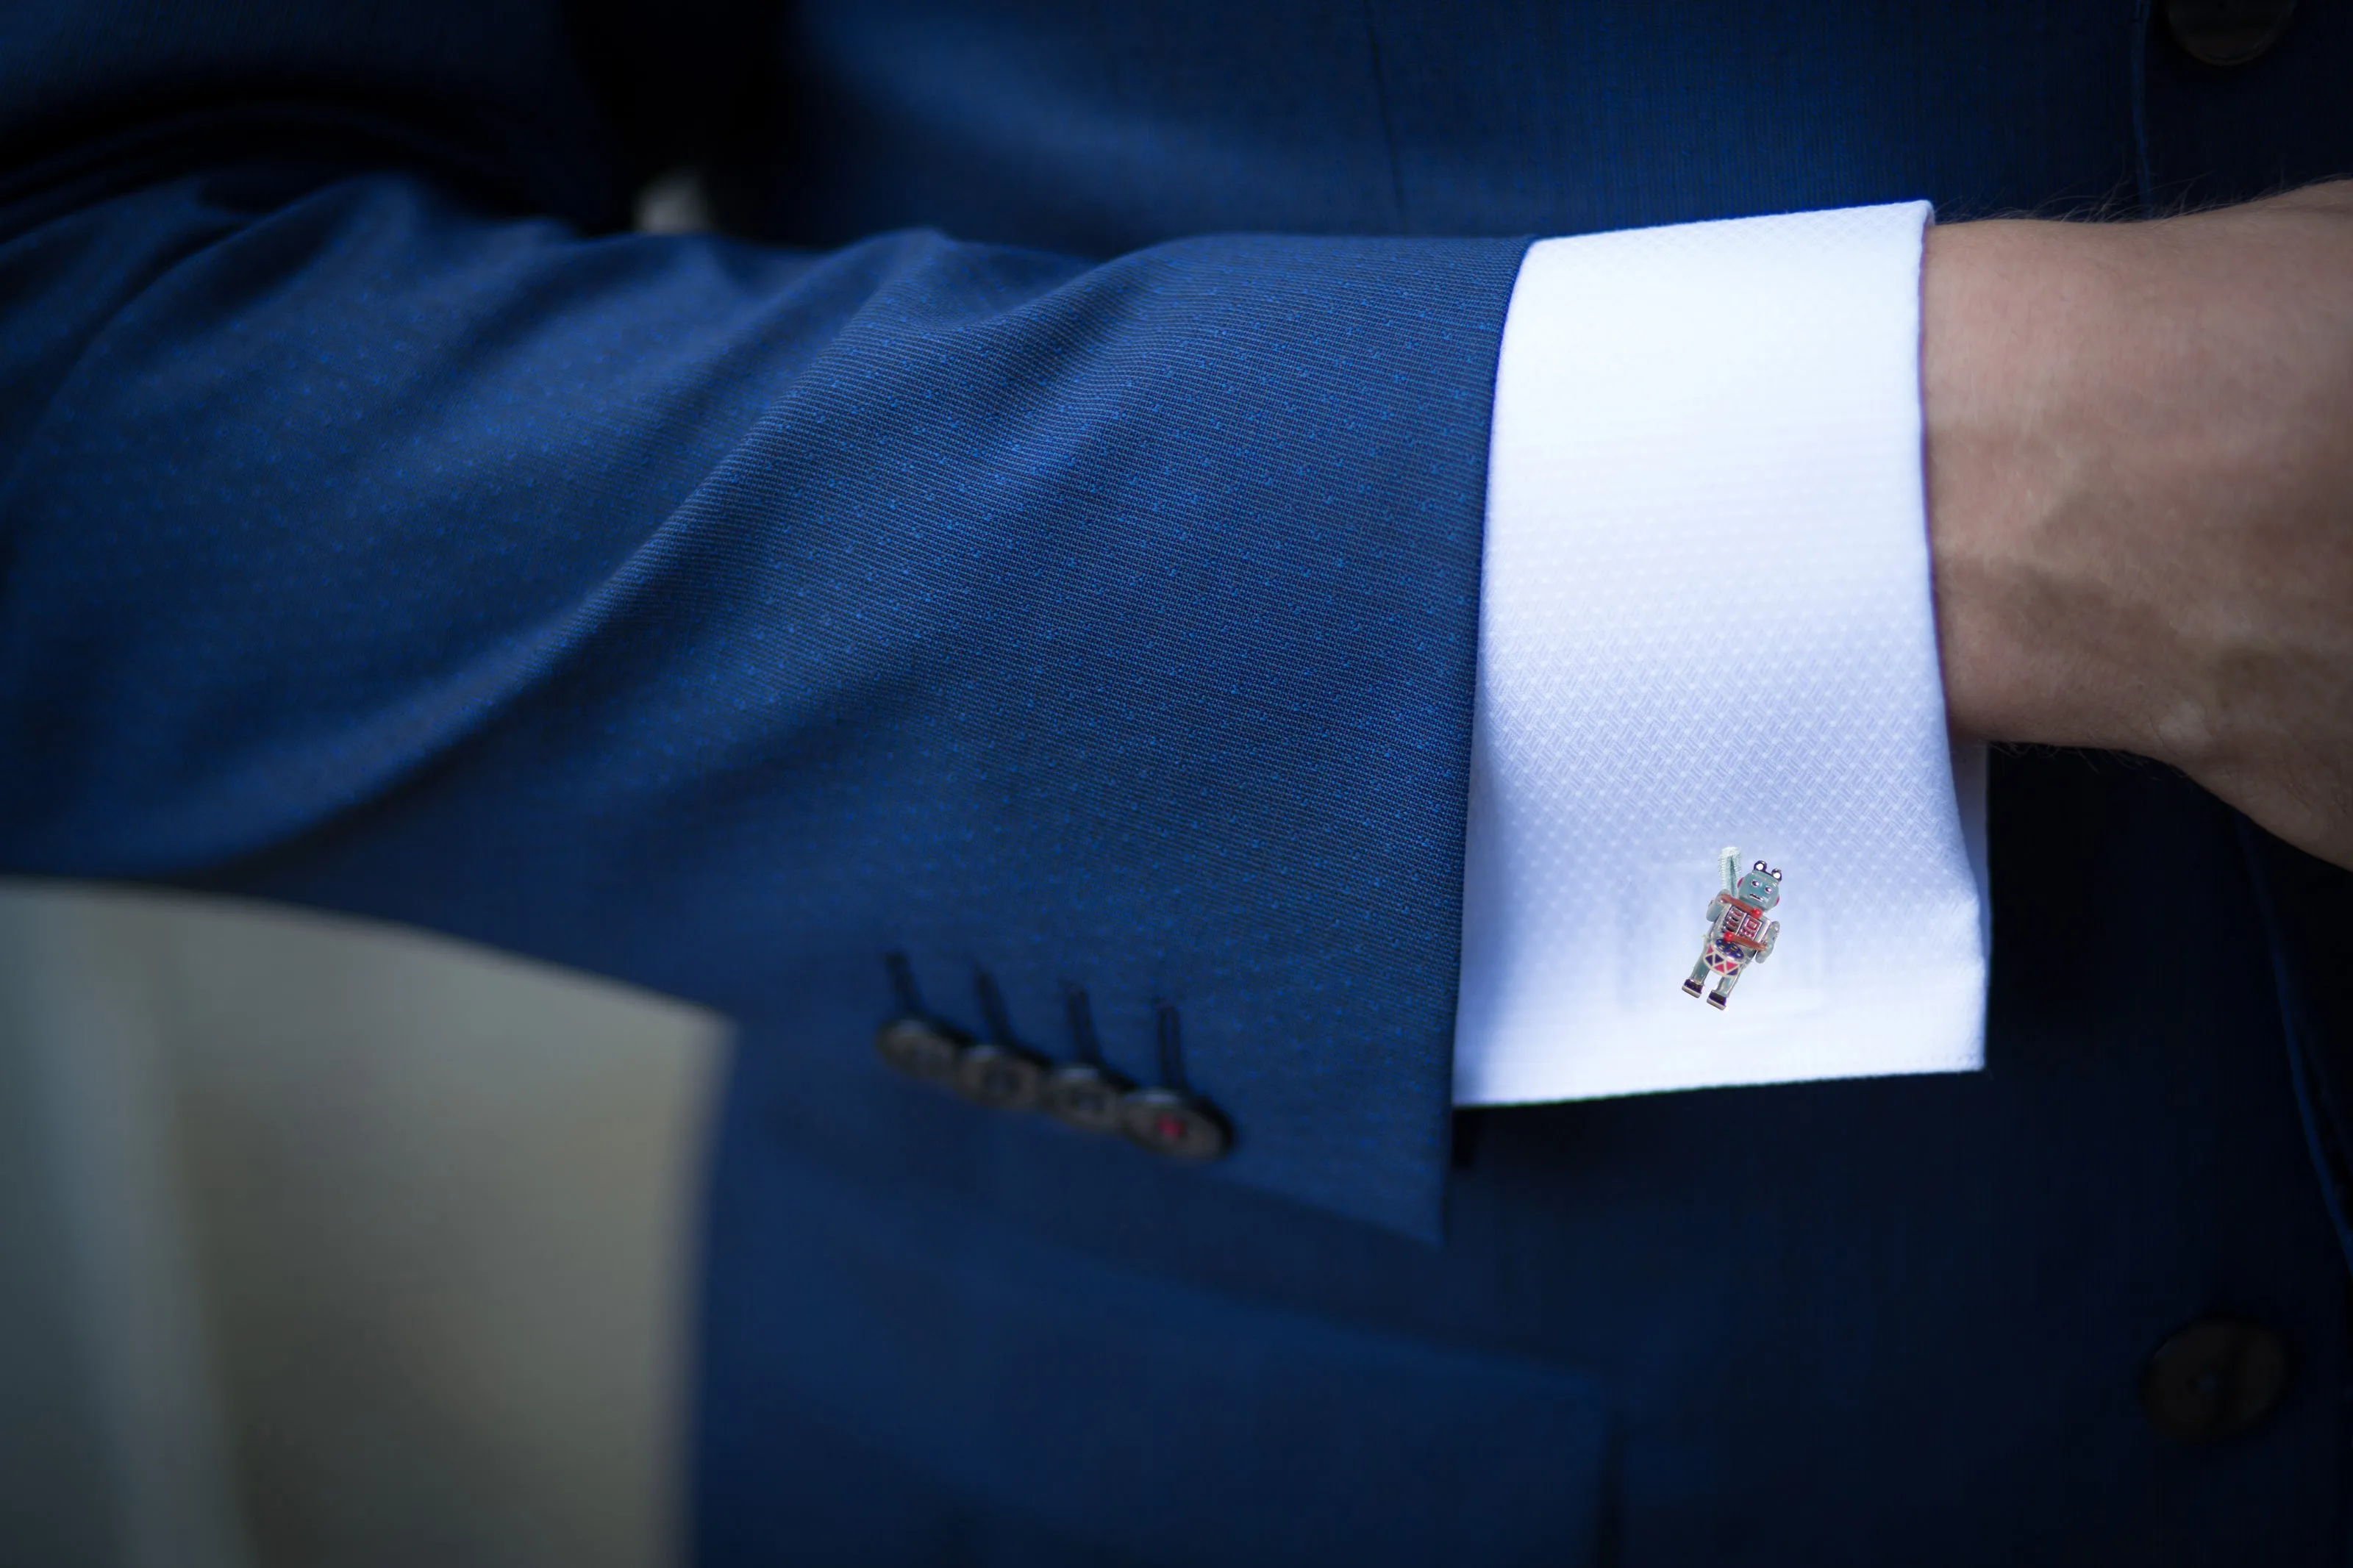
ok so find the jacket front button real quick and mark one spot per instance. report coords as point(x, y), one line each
point(2213, 1380)
point(920, 1049)
point(2227, 32)
point(1175, 1124)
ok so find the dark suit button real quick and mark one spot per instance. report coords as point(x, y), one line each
point(2214, 1379)
point(1177, 1125)
point(920, 1049)
point(2227, 32)
point(1003, 1077)
point(1085, 1097)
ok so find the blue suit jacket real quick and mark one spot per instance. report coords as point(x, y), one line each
point(1082, 601)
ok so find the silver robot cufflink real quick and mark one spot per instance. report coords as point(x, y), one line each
point(1738, 935)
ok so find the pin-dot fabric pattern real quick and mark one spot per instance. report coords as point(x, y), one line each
point(1706, 621)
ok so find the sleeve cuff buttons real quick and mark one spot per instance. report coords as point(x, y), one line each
point(1003, 1077)
point(1169, 1121)
point(921, 1051)
point(1082, 1094)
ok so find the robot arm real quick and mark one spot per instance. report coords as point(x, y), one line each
point(1772, 935)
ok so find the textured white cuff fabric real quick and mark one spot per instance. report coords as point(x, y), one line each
point(1706, 621)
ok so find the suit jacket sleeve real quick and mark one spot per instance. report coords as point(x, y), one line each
point(385, 530)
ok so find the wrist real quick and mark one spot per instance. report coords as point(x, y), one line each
point(2137, 483)
point(2038, 395)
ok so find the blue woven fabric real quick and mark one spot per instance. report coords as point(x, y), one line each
point(974, 561)
point(724, 618)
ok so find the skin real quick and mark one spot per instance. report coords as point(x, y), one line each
point(2140, 492)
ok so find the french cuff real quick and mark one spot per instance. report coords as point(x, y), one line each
point(1706, 621)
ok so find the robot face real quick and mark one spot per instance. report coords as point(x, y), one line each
point(1761, 887)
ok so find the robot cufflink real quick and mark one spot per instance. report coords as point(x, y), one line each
point(1738, 932)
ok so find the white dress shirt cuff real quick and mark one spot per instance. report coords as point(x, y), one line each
point(1706, 621)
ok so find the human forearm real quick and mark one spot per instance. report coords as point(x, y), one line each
point(2140, 478)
